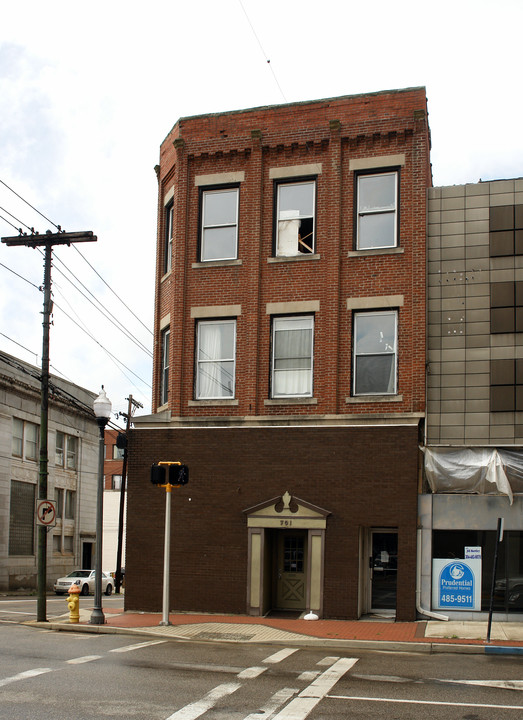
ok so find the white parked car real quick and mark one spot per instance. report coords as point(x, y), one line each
point(85, 581)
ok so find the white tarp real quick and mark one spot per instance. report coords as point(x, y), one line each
point(484, 471)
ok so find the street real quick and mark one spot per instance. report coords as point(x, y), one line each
point(46, 674)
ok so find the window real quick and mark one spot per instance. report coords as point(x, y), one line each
point(25, 440)
point(66, 451)
point(506, 385)
point(118, 453)
point(377, 210)
point(215, 366)
point(116, 482)
point(59, 500)
point(292, 348)
point(295, 218)
point(70, 504)
point(219, 229)
point(375, 338)
point(164, 366)
point(21, 518)
point(168, 238)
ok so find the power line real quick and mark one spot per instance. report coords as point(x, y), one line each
point(263, 51)
point(102, 309)
point(31, 206)
point(103, 348)
point(114, 293)
point(21, 277)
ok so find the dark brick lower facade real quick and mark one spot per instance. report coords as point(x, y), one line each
point(366, 477)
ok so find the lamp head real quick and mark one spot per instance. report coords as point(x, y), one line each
point(102, 406)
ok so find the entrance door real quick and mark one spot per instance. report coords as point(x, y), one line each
point(383, 569)
point(292, 565)
point(87, 554)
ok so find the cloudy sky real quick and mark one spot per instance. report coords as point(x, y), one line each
point(88, 91)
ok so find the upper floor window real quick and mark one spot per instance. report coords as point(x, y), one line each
point(215, 359)
point(295, 211)
point(116, 482)
point(66, 451)
point(118, 453)
point(377, 210)
point(25, 439)
point(168, 238)
point(375, 354)
point(292, 356)
point(219, 224)
point(164, 366)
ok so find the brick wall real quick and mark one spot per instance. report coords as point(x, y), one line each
point(333, 133)
point(365, 477)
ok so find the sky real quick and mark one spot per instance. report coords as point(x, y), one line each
point(89, 91)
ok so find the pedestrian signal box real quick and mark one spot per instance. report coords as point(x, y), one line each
point(169, 474)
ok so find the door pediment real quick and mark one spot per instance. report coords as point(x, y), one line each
point(286, 511)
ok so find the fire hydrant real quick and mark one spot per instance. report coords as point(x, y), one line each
point(73, 603)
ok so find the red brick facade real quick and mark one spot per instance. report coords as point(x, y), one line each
point(363, 449)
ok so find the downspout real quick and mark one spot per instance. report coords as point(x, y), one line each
point(421, 611)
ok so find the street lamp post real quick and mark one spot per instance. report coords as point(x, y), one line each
point(102, 410)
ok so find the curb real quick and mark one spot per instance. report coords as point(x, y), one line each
point(372, 645)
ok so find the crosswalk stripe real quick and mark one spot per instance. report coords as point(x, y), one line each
point(24, 675)
point(195, 709)
point(279, 656)
point(137, 646)
point(275, 702)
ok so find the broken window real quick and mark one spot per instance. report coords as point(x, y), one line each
point(377, 210)
point(295, 205)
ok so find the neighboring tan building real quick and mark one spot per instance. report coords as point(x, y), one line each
point(474, 432)
point(289, 363)
point(73, 468)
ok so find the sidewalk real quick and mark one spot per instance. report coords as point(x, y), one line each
point(433, 636)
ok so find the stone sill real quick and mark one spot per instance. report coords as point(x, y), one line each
point(376, 251)
point(231, 402)
point(216, 263)
point(291, 401)
point(373, 399)
point(293, 258)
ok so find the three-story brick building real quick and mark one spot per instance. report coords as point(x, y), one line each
point(289, 369)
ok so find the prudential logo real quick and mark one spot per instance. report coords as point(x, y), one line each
point(456, 586)
point(457, 571)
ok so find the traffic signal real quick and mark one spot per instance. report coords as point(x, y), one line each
point(169, 474)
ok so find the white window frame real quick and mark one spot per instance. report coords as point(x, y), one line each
point(289, 242)
point(376, 211)
point(168, 238)
point(360, 316)
point(284, 324)
point(24, 440)
point(208, 227)
point(164, 365)
point(201, 363)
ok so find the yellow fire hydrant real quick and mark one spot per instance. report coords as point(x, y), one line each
point(73, 603)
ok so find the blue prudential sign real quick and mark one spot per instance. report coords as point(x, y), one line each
point(456, 584)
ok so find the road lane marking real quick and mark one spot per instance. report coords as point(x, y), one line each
point(503, 684)
point(24, 675)
point(425, 702)
point(279, 656)
point(251, 672)
point(327, 661)
point(274, 703)
point(195, 709)
point(304, 704)
point(84, 659)
point(137, 646)
point(308, 675)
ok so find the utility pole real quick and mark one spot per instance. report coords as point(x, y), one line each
point(132, 405)
point(46, 240)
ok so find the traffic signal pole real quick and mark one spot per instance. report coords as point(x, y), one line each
point(168, 474)
point(166, 556)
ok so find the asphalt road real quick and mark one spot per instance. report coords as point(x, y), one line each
point(20, 608)
point(46, 674)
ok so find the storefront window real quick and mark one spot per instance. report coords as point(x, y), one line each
point(508, 593)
